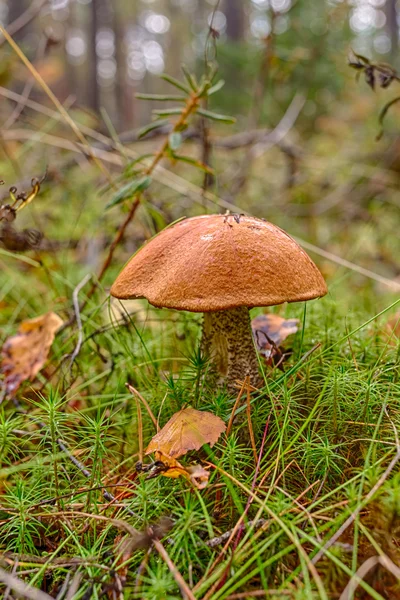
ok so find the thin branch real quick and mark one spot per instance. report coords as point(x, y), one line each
point(27, 88)
point(221, 539)
point(282, 129)
point(75, 301)
point(67, 118)
point(13, 572)
point(183, 586)
point(362, 571)
point(137, 394)
point(349, 265)
point(74, 587)
point(21, 588)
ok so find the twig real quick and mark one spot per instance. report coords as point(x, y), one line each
point(55, 101)
point(106, 495)
point(120, 234)
point(250, 424)
point(64, 587)
point(140, 429)
point(22, 588)
point(14, 570)
point(74, 587)
point(361, 572)
point(282, 129)
point(75, 301)
point(27, 88)
point(64, 448)
point(349, 265)
point(135, 392)
point(217, 541)
point(228, 429)
point(258, 594)
point(140, 572)
point(72, 458)
point(357, 511)
point(183, 586)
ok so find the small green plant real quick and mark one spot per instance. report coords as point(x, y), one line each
point(375, 73)
point(175, 120)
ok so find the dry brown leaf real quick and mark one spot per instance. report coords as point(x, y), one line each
point(188, 429)
point(172, 468)
point(24, 354)
point(198, 476)
point(271, 330)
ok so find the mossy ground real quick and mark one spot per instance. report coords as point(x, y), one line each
point(329, 422)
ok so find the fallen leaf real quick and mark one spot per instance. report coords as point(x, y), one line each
point(170, 467)
point(7, 213)
point(19, 241)
point(198, 476)
point(188, 429)
point(24, 354)
point(270, 331)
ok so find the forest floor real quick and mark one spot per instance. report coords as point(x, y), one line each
point(312, 508)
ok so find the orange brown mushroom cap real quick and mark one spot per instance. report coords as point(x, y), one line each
point(222, 265)
point(216, 262)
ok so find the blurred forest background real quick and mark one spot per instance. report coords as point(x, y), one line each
point(286, 69)
point(306, 84)
point(100, 52)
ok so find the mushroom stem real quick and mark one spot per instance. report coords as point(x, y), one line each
point(228, 341)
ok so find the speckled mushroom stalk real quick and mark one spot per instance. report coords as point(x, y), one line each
point(228, 340)
point(222, 265)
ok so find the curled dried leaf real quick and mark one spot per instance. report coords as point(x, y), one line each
point(7, 213)
point(24, 354)
point(19, 241)
point(270, 331)
point(188, 429)
point(170, 467)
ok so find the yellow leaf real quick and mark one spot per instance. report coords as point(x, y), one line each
point(195, 473)
point(24, 354)
point(188, 429)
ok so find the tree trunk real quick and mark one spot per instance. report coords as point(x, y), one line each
point(392, 29)
point(93, 93)
point(234, 19)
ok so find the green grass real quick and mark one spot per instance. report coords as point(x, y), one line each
point(330, 421)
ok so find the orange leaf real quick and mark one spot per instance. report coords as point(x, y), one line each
point(24, 354)
point(188, 429)
point(195, 473)
point(272, 328)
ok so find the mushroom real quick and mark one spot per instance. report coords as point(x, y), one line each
point(222, 265)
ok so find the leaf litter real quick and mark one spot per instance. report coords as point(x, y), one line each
point(270, 331)
point(189, 429)
point(24, 354)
